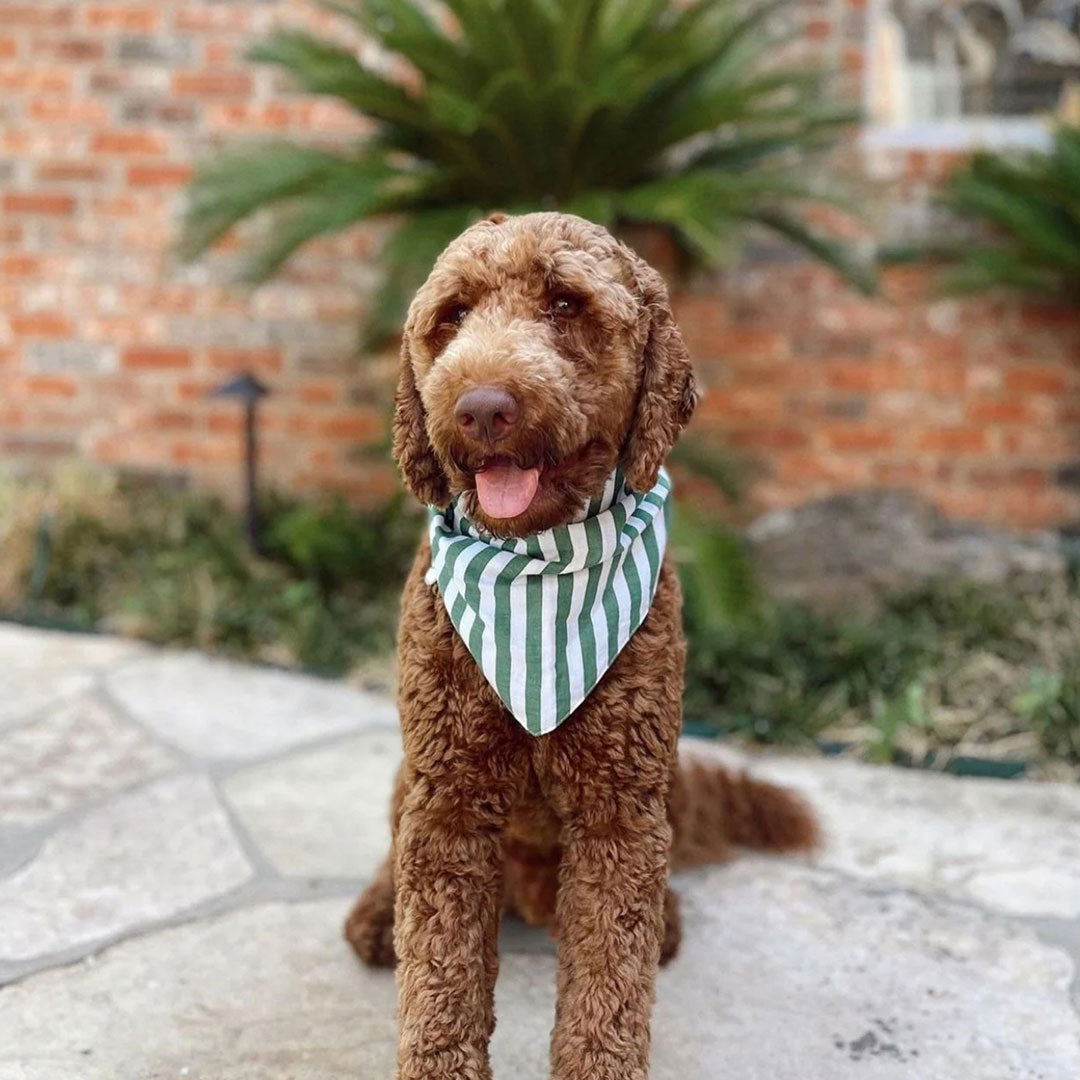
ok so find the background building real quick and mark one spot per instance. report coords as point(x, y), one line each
point(108, 348)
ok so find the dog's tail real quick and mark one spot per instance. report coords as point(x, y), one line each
point(714, 808)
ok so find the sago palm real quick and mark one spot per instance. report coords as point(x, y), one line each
point(1030, 209)
point(624, 111)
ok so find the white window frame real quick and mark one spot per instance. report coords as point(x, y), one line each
point(957, 134)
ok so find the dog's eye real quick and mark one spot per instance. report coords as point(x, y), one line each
point(454, 315)
point(565, 306)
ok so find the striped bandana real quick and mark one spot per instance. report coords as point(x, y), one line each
point(545, 615)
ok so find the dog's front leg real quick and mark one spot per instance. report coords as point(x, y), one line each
point(448, 878)
point(610, 923)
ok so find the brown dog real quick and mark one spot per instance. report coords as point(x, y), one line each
point(541, 354)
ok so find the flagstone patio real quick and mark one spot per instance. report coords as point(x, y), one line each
point(180, 839)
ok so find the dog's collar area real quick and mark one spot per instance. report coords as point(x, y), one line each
point(546, 615)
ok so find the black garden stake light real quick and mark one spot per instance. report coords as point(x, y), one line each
point(249, 390)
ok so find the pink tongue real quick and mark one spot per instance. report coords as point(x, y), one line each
point(505, 491)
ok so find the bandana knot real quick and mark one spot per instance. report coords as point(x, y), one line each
point(546, 615)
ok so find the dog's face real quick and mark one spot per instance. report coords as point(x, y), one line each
point(539, 354)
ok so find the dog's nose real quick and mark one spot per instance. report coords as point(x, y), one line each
point(487, 413)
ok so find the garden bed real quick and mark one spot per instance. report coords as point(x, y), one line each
point(946, 675)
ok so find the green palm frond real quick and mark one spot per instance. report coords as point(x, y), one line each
point(1030, 208)
point(625, 111)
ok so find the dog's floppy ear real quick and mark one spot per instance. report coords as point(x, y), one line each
point(668, 394)
point(423, 474)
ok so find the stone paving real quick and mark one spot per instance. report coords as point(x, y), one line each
point(181, 837)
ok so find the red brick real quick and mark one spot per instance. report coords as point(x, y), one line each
point(864, 376)
point(998, 476)
point(212, 83)
point(173, 420)
point(41, 324)
point(11, 416)
point(63, 171)
point(8, 48)
point(38, 446)
point(202, 16)
point(143, 16)
point(959, 440)
point(769, 438)
point(20, 265)
point(156, 358)
point(261, 361)
point(39, 15)
point(858, 437)
point(208, 451)
point(158, 175)
point(219, 52)
point(43, 202)
point(829, 471)
point(901, 473)
point(139, 450)
point(74, 49)
point(940, 377)
point(50, 386)
point(1028, 509)
point(245, 116)
point(77, 113)
point(904, 284)
point(195, 389)
point(1001, 411)
point(742, 404)
point(313, 392)
point(1036, 380)
point(21, 80)
point(702, 319)
point(742, 344)
point(962, 504)
point(354, 426)
point(122, 205)
point(128, 142)
point(220, 421)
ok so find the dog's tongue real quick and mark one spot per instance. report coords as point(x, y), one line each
point(505, 491)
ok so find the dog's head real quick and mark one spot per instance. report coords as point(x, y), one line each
point(539, 354)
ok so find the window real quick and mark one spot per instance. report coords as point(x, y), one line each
point(963, 73)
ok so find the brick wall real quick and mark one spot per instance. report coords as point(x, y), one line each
point(108, 349)
point(974, 402)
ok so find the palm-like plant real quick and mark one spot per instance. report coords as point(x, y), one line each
point(624, 111)
point(1032, 208)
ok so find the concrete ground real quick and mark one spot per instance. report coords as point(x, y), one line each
point(180, 839)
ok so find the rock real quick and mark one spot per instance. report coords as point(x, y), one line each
point(38, 667)
point(786, 973)
point(143, 857)
point(1012, 847)
point(215, 709)
point(325, 813)
point(848, 550)
point(79, 751)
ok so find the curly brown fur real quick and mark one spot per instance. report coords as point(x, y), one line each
point(575, 829)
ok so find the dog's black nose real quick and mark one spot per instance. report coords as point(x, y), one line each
point(487, 413)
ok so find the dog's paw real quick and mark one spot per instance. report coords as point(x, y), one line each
point(369, 929)
point(669, 947)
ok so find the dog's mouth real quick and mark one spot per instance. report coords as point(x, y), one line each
point(532, 484)
point(504, 488)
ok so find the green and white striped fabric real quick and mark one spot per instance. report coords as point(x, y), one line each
point(545, 615)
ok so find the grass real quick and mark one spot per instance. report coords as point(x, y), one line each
point(945, 675)
point(175, 568)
